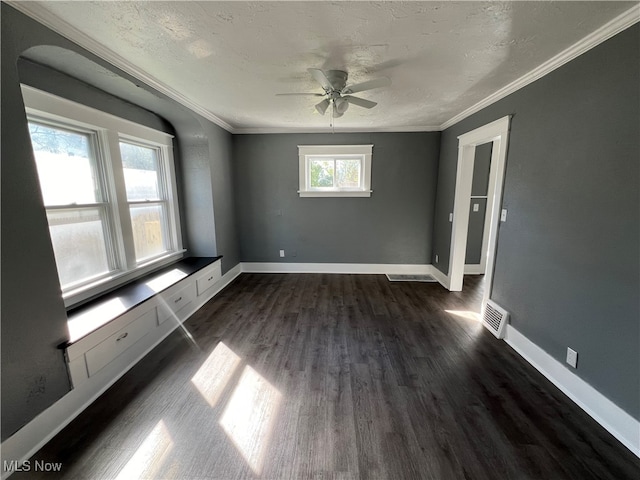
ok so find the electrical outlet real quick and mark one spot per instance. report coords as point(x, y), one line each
point(436, 258)
point(282, 253)
point(572, 357)
point(451, 217)
point(503, 215)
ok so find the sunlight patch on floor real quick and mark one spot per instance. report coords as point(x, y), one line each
point(214, 374)
point(150, 456)
point(469, 315)
point(249, 417)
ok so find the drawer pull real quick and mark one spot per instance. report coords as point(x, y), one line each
point(177, 300)
point(124, 335)
point(209, 279)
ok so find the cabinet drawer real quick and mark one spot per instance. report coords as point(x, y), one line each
point(209, 277)
point(175, 303)
point(106, 351)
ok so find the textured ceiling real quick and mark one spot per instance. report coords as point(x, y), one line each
point(231, 58)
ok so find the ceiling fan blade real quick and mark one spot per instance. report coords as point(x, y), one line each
point(322, 106)
point(321, 78)
point(361, 102)
point(370, 85)
point(306, 94)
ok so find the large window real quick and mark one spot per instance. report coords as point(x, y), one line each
point(108, 187)
point(335, 170)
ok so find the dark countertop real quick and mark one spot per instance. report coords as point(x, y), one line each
point(92, 315)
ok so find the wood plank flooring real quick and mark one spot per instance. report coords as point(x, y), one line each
point(305, 376)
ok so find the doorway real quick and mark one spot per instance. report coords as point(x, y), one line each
point(479, 221)
point(496, 133)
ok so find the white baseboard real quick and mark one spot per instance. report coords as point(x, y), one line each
point(34, 435)
point(474, 269)
point(365, 268)
point(441, 277)
point(351, 268)
point(615, 420)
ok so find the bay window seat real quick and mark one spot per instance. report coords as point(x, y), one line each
point(109, 334)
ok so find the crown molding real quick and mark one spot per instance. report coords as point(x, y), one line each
point(338, 129)
point(608, 30)
point(55, 23)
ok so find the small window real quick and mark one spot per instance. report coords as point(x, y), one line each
point(335, 170)
point(109, 192)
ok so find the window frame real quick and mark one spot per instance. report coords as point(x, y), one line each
point(108, 131)
point(307, 153)
point(165, 194)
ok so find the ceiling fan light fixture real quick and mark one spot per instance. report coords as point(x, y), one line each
point(341, 105)
point(322, 106)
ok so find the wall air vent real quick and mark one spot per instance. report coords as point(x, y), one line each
point(495, 318)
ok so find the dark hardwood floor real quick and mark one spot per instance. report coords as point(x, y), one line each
point(301, 376)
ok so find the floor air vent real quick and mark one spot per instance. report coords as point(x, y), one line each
point(409, 278)
point(495, 318)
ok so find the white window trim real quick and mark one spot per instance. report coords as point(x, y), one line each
point(111, 130)
point(305, 152)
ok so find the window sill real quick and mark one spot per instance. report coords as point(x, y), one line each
point(364, 193)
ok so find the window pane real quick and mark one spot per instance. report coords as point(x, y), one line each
point(79, 244)
point(64, 165)
point(140, 166)
point(348, 173)
point(321, 173)
point(148, 222)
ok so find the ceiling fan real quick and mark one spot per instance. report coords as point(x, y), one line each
point(338, 93)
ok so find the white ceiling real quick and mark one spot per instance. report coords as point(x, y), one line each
point(229, 59)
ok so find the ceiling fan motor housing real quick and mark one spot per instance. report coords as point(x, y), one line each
point(338, 79)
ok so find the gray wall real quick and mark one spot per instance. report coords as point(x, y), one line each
point(392, 226)
point(481, 169)
point(473, 254)
point(33, 314)
point(222, 178)
point(567, 265)
point(33, 371)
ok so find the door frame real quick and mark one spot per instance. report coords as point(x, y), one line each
point(498, 133)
